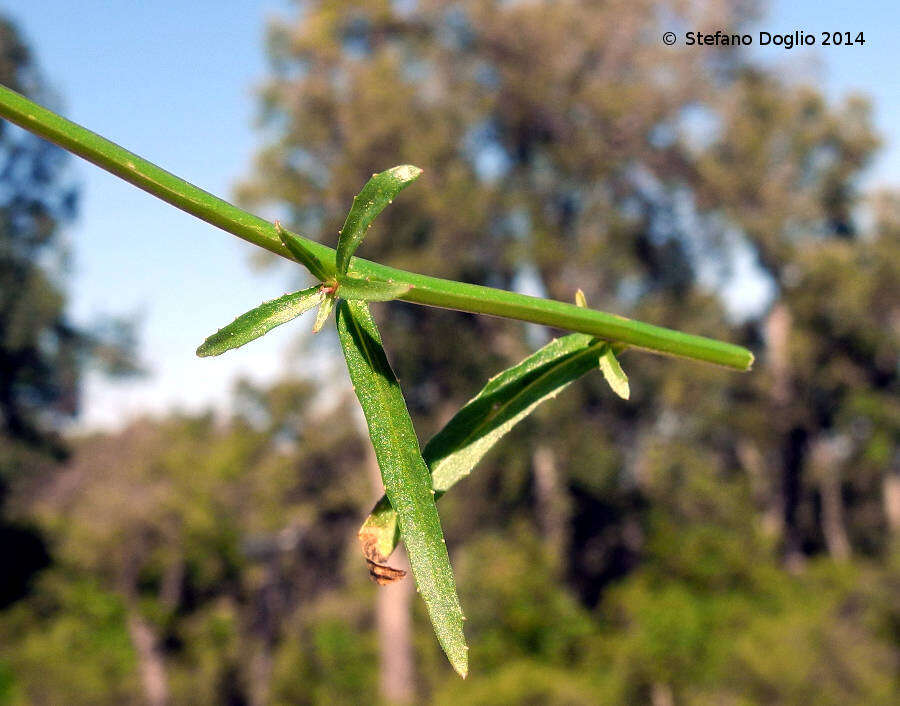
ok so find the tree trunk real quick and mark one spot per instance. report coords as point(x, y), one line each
point(827, 457)
point(551, 504)
point(891, 490)
point(173, 579)
point(787, 473)
point(661, 695)
point(268, 611)
point(150, 660)
point(151, 664)
point(393, 617)
point(260, 674)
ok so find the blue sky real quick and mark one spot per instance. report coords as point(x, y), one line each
point(174, 82)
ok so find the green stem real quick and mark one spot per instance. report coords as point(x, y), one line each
point(426, 290)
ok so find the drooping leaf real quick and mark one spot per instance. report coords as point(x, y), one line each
point(506, 399)
point(319, 269)
point(322, 314)
point(378, 192)
point(370, 289)
point(614, 374)
point(260, 320)
point(407, 481)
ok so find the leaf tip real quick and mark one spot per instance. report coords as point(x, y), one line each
point(406, 172)
point(208, 348)
point(460, 662)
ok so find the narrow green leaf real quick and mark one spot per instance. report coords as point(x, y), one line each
point(506, 399)
point(378, 192)
point(406, 479)
point(614, 374)
point(320, 269)
point(322, 314)
point(370, 289)
point(260, 320)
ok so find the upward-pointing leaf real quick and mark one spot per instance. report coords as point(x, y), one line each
point(507, 399)
point(322, 271)
point(260, 320)
point(378, 192)
point(609, 364)
point(405, 475)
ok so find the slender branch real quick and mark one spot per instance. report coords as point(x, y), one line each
point(430, 291)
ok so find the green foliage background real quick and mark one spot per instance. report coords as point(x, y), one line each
point(720, 538)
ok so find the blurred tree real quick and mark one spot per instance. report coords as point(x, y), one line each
point(227, 546)
point(39, 348)
point(211, 536)
point(42, 353)
point(784, 168)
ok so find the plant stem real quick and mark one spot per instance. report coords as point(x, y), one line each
point(430, 291)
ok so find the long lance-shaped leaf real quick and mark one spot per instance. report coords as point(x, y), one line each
point(407, 481)
point(506, 399)
point(370, 290)
point(378, 192)
point(260, 320)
